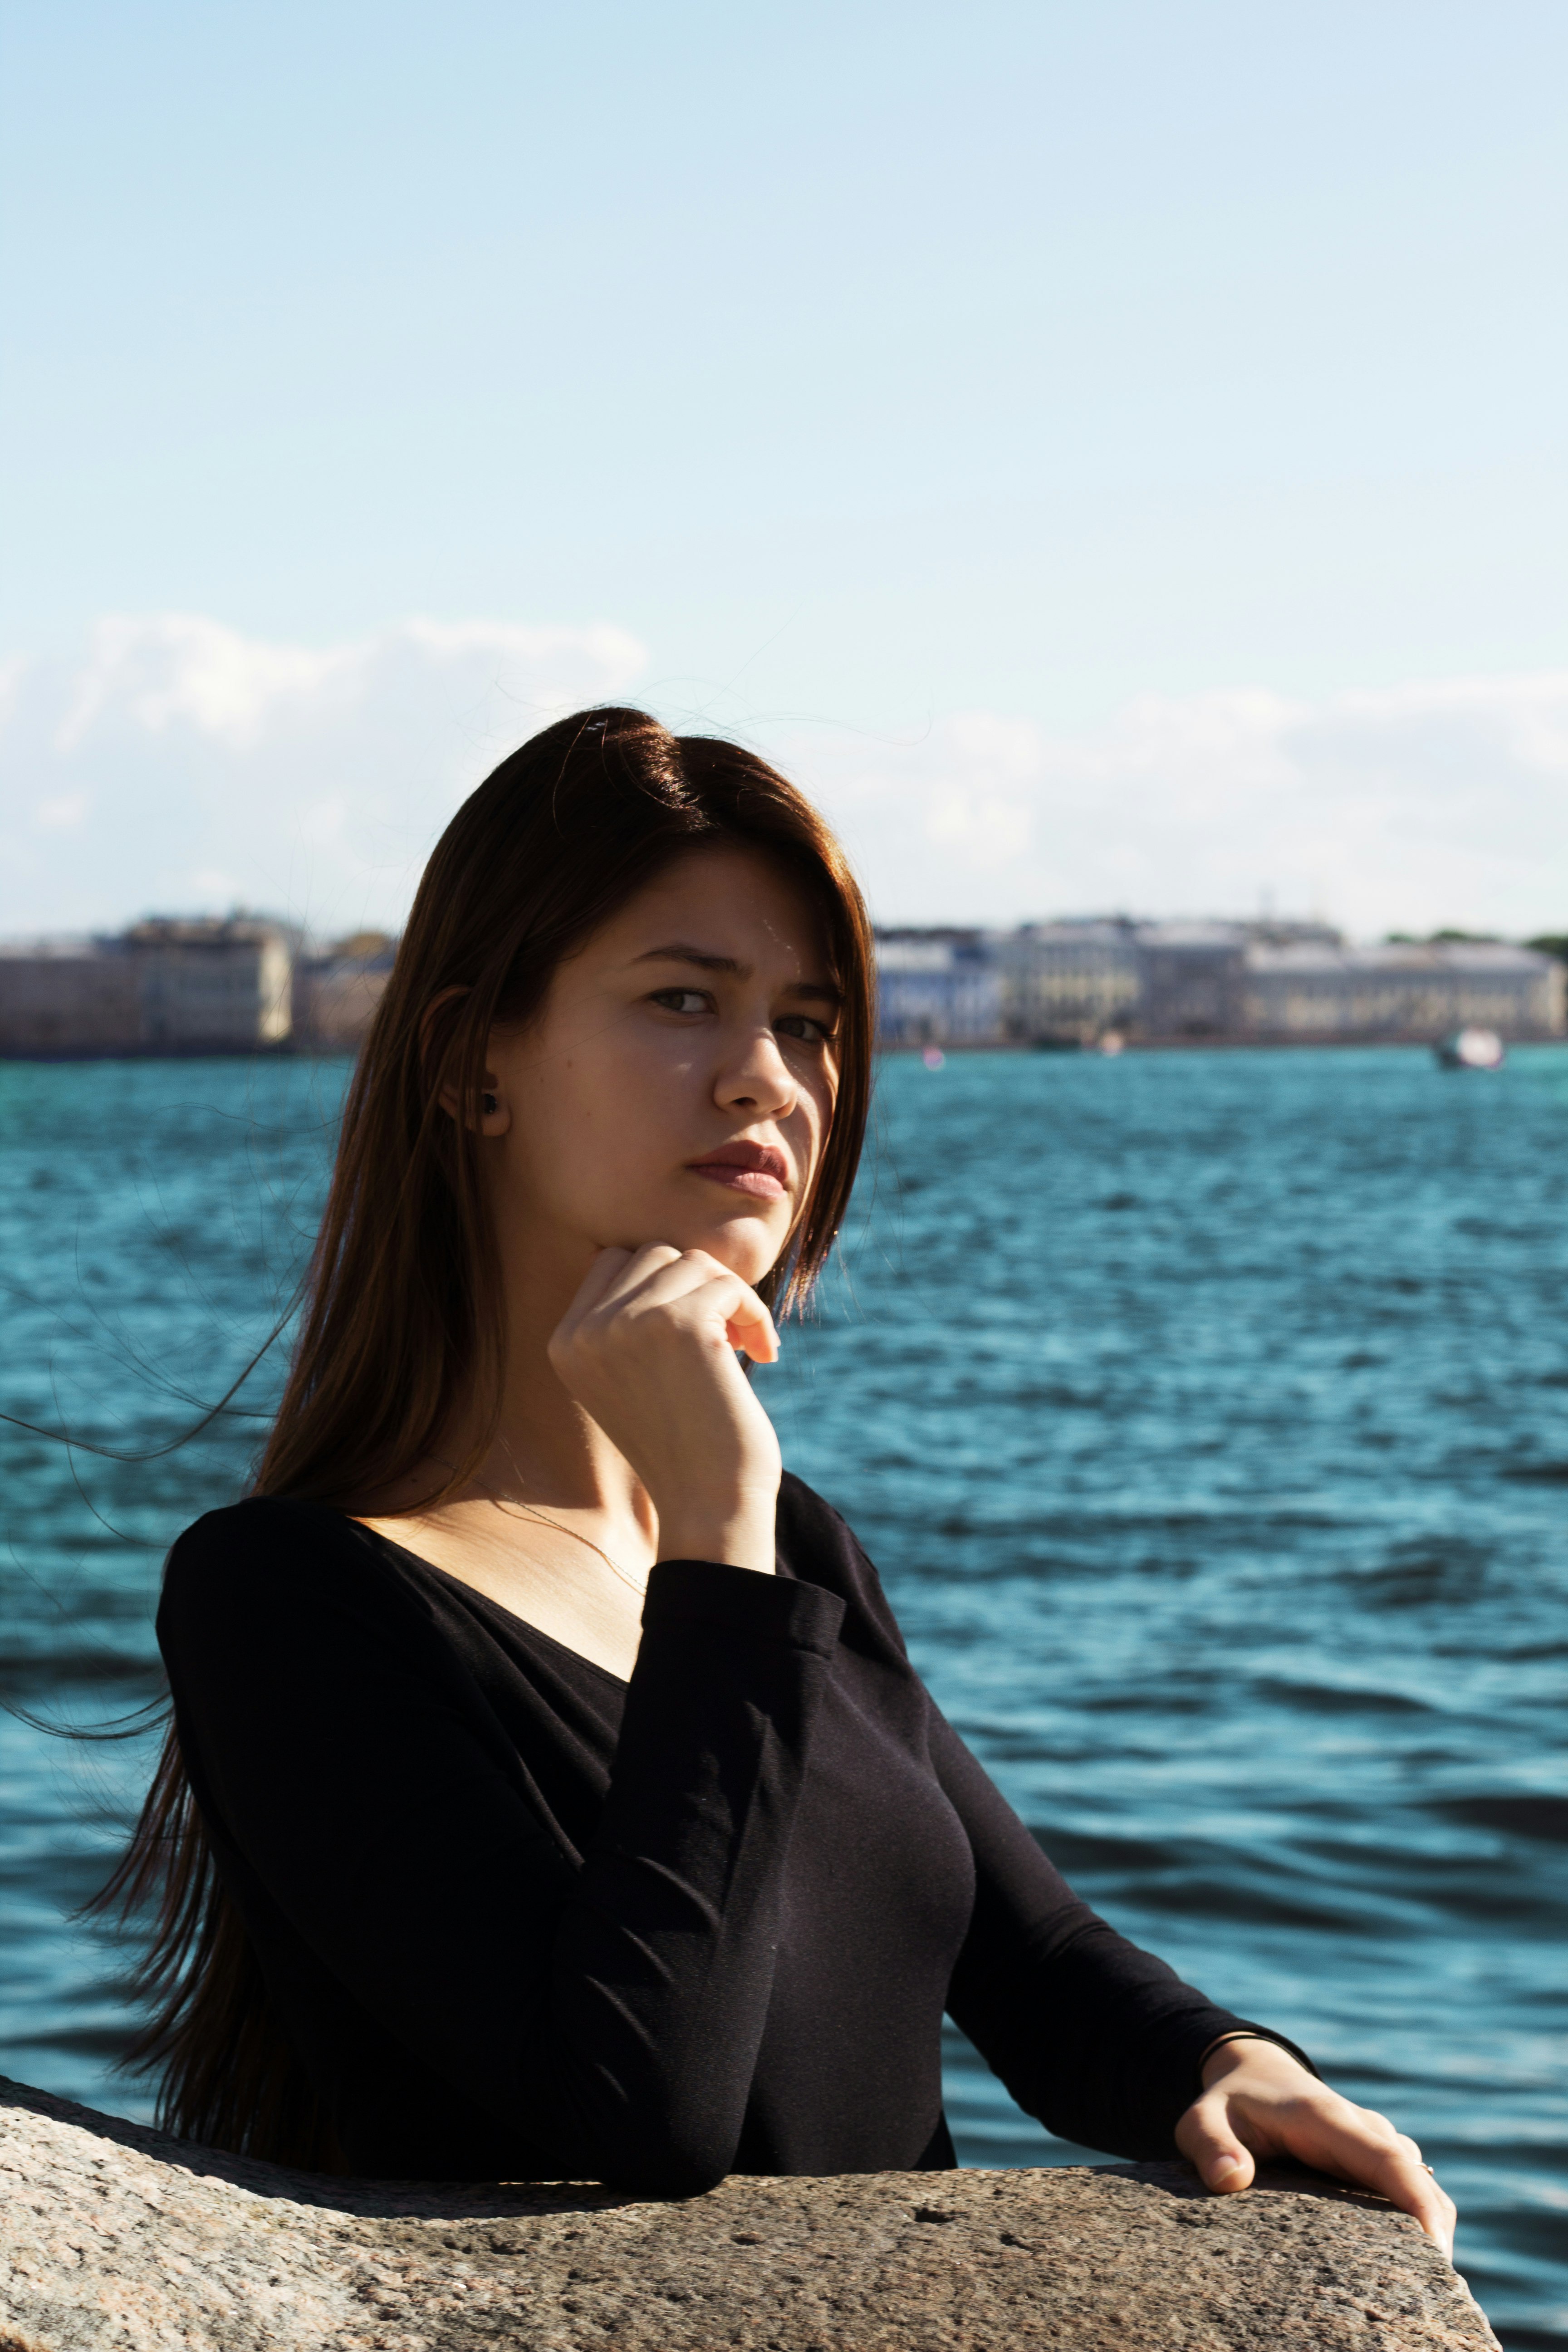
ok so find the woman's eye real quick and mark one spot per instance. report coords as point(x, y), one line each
point(802, 1026)
point(681, 1000)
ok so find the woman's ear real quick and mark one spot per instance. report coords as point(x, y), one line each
point(495, 1111)
point(490, 1114)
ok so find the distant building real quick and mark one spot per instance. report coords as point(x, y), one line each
point(1190, 979)
point(165, 986)
point(1270, 932)
point(938, 988)
point(211, 987)
point(1398, 992)
point(1276, 982)
point(1071, 982)
point(336, 993)
point(68, 997)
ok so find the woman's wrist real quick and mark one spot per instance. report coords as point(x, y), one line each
point(1210, 2067)
point(740, 1535)
point(1230, 2051)
point(1238, 2033)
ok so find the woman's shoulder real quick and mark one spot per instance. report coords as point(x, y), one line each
point(299, 1601)
point(263, 1524)
point(817, 1544)
point(269, 1553)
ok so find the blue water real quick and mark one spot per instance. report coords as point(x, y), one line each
point(1206, 1413)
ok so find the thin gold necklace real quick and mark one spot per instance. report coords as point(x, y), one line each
point(533, 1511)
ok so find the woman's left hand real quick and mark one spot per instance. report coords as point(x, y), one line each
point(1258, 2101)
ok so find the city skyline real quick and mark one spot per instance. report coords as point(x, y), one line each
point(242, 984)
point(375, 941)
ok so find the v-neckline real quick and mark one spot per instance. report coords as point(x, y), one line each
point(461, 1584)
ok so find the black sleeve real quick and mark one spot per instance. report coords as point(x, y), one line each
point(612, 2012)
point(1098, 2038)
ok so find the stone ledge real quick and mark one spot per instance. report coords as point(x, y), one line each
point(117, 2239)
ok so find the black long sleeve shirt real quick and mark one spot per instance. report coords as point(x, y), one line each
point(524, 1920)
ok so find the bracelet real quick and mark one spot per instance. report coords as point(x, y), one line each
point(1259, 2033)
point(1242, 2033)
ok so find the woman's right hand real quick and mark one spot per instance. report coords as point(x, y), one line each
point(647, 1348)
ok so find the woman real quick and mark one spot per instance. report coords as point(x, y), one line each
point(549, 1794)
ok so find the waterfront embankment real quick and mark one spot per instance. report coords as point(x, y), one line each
point(118, 2237)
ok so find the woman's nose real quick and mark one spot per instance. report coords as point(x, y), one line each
point(759, 1080)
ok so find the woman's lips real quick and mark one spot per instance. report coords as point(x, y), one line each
point(755, 1180)
point(745, 1168)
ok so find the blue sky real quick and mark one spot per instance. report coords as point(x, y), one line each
point(1114, 455)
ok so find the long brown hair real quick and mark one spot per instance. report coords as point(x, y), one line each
point(402, 1318)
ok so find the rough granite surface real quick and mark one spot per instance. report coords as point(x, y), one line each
point(117, 2238)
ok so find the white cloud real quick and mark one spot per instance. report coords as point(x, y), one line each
point(178, 763)
point(191, 764)
point(65, 813)
point(180, 665)
point(1407, 807)
point(14, 668)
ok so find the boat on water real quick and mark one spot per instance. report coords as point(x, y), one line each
point(1472, 1049)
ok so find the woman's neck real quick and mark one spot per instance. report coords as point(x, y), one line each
point(544, 1447)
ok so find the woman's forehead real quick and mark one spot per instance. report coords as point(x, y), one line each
point(727, 902)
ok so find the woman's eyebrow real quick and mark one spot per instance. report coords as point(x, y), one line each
point(680, 951)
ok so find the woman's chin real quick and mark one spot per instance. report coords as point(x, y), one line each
point(743, 1243)
point(743, 1240)
point(750, 1255)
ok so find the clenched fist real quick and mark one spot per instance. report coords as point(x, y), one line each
point(648, 1348)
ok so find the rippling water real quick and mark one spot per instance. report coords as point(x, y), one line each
point(1206, 1414)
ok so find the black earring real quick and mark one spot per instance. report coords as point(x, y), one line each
point(491, 1105)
